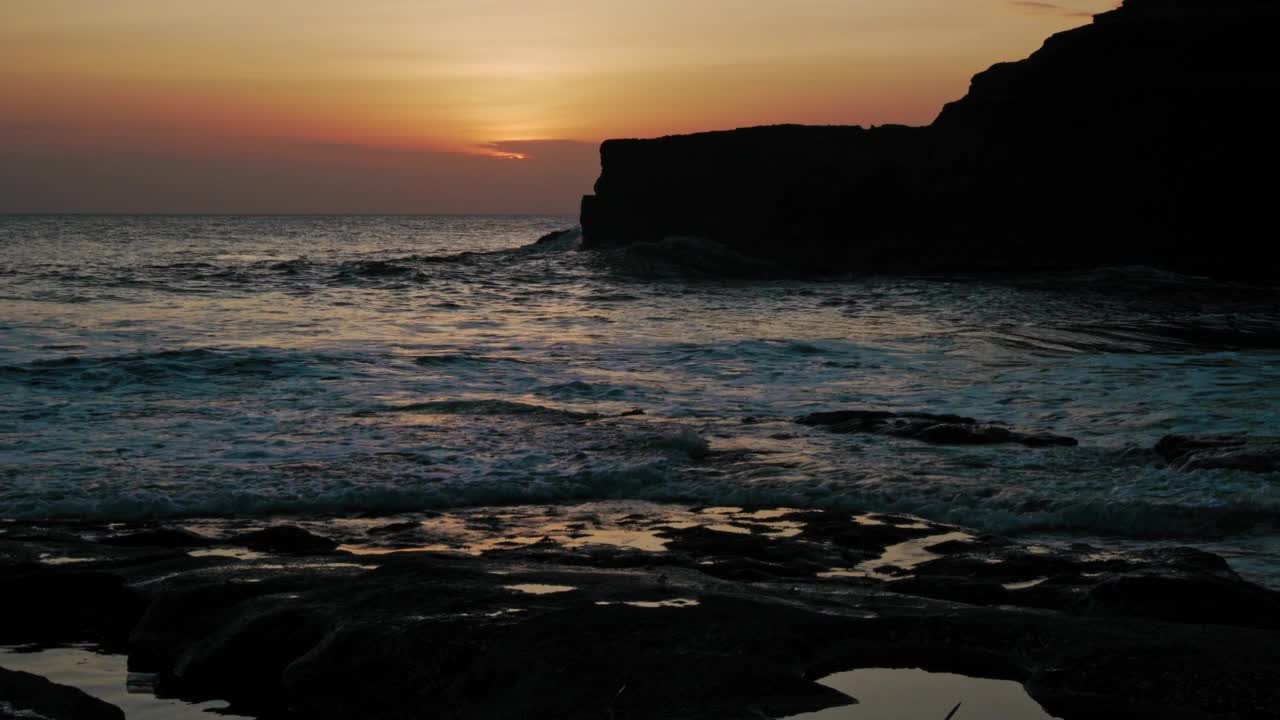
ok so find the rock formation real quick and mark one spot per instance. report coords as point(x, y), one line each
point(1142, 138)
point(1226, 452)
point(733, 618)
point(24, 696)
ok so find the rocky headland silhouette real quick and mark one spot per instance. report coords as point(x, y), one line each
point(1142, 138)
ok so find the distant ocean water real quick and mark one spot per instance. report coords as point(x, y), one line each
point(215, 366)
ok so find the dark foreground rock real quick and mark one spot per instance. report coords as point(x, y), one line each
point(65, 604)
point(26, 696)
point(735, 618)
point(158, 538)
point(1228, 452)
point(284, 539)
point(1097, 150)
point(930, 428)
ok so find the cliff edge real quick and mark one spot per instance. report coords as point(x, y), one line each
point(1144, 137)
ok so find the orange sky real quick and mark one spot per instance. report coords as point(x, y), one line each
point(423, 105)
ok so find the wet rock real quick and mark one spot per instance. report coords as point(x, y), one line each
point(188, 610)
point(65, 604)
point(869, 538)
point(726, 624)
point(249, 654)
point(1187, 559)
point(681, 662)
point(284, 539)
point(968, 590)
point(160, 537)
point(1226, 452)
point(395, 528)
point(1195, 599)
point(930, 428)
point(705, 542)
point(27, 696)
point(1175, 584)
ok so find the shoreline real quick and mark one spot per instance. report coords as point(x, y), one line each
point(702, 612)
point(505, 526)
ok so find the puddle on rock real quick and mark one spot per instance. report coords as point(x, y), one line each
point(904, 556)
point(540, 589)
point(1024, 585)
point(107, 678)
point(784, 529)
point(886, 694)
point(622, 525)
point(231, 552)
point(48, 559)
point(626, 526)
point(646, 540)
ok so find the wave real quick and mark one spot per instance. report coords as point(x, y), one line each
point(551, 243)
point(680, 257)
point(656, 473)
point(166, 365)
point(371, 483)
point(619, 483)
point(290, 267)
point(462, 358)
point(485, 408)
point(611, 297)
point(577, 389)
point(249, 273)
point(1133, 278)
point(1136, 519)
point(461, 257)
point(1145, 339)
point(419, 268)
point(979, 508)
point(377, 269)
point(766, 348)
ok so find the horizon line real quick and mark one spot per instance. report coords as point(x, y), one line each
point(8, 214)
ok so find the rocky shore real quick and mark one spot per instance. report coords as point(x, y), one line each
point(1135, 140)
point(628, 611)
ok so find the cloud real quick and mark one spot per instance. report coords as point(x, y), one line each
point(536, 149)
point(1047, 8)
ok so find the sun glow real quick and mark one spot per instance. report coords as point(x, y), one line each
point(133, 83)
point(503, 155)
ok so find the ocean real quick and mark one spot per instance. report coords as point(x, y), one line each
point(330, 367)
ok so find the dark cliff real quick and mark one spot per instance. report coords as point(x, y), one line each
point(1143, 138)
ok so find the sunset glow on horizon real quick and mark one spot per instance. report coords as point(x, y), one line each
point(404, 106)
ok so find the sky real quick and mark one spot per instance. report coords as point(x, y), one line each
point(463, 106)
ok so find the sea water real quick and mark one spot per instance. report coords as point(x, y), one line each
point(232, 366)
